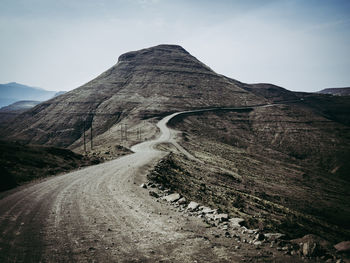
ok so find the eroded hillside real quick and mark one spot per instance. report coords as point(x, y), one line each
point(282, 167)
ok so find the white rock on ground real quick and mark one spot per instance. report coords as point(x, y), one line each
point(182, 201)
point(221, 217)
point(172, 197)
point(208, 210)
point(236, 221)
point(192, 206)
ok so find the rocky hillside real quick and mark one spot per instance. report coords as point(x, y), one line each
point(9, 112)
point(141, 85)
point(336, 91)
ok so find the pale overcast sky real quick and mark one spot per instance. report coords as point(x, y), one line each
point(301, 45)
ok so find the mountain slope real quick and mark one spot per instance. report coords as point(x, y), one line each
point(142, 84)
point(12, 92)
point(9, 112)
point(336, 91)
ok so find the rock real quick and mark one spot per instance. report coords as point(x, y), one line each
point(172, 197)
point(143, 186)
point(312, 245)
point(257, 243)
point(259, 237)
point(236, 222)
point(182, 201)
point(154, 194)
point(273, 236)
point(192, 206)
point(343, 247)
point(221, 217)
point(309, 249)
point(208, 210)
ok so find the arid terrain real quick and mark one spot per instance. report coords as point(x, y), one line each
point(247, 172)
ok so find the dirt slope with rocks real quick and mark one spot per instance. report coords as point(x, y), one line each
point(101, 214)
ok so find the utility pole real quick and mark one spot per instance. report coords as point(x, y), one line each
point(84, 138)
point(139, 134)
point(91, 135)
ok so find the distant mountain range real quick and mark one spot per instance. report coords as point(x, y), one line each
point(13, 92)
point(336, 91)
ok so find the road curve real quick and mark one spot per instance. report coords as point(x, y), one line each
point(100, 214)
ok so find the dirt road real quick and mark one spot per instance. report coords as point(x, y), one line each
point(100, 214)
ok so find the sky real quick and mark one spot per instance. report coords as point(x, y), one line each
point(301, 45)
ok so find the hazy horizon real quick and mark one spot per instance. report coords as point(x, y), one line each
point(61, 45)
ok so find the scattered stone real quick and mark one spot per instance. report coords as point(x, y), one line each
point(312, 245)
point(143, 186)
point(309, 249)
point(154, 194)
point(251, 231)
point(209, 216)
point(172, 197)
point(208, 210)
point(259, 237)
point(343, 247)
point(273, 236)
point(221, 217)
point(192, 206)
point(182, 201)
point(257, 243)
point(236, 222)
point(237, 247)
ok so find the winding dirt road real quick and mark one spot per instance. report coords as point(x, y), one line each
point(100, 214)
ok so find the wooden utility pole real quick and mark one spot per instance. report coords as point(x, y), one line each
point(91, 135)
point(84, 138)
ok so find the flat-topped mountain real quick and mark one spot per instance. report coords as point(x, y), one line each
point(142, 84)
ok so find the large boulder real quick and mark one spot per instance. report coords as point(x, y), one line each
point(192, 206)
point(312, 245)
point(343, 247)
point(172, 197)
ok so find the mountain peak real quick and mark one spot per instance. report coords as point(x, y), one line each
point(156, 50)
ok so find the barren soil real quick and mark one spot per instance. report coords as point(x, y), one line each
point(100, 214)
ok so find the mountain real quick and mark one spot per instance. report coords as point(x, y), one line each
point(142, 84)
point(20, 106)
point(59, 93)
point(336, 91)
point(9, 112)
point(12, 92)
point(280, 161)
